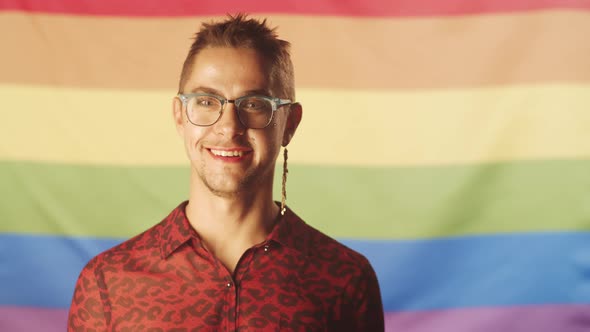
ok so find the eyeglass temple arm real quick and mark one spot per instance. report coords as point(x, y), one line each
point(281, 102)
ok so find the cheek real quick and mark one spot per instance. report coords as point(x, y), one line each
point(279, 130)
point(192, 136)
point(271, 141)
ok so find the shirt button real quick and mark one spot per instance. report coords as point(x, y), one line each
point(266, 248)
point(229, 284)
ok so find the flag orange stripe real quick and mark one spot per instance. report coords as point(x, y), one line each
point(343, 53)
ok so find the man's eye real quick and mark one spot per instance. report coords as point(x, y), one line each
point(206, 102)
point(254, 104)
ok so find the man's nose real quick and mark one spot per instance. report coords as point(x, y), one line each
point(229, 124)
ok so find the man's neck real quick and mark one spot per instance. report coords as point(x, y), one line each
point(228, 226)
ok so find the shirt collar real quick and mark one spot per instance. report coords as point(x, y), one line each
point(175, 230)
point(290, 231)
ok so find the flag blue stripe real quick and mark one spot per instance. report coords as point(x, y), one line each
point(470, 271)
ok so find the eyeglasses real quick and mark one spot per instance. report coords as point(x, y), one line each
point(255, 112)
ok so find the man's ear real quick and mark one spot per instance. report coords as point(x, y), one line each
point(177, 115)
point(293, 119)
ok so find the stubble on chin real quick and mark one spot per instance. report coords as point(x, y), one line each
point(225, 185)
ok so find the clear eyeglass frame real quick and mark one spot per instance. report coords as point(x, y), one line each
point(275, 103)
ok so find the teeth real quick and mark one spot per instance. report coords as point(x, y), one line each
point(225, 153)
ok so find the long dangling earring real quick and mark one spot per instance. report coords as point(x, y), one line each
point(284, 189)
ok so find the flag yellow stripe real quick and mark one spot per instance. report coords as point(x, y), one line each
point(339, 127)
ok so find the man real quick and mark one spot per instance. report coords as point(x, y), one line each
point(231, 259)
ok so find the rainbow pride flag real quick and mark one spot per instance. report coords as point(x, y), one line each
point(447, 140)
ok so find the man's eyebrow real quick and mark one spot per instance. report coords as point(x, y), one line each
point(258, 92)
point(206, 90)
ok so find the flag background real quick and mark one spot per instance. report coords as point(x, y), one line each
point(448, 141)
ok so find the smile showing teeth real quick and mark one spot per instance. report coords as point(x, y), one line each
point(224, 153)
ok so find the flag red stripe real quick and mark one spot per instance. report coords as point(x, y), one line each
point(380, 8)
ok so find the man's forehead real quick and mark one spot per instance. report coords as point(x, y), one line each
point(228, 53)
point(215, 68)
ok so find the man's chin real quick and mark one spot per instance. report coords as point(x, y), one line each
point(225, 187)
point(225, 192)
point(230, 184)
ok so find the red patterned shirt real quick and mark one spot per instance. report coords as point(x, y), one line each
point(165, 280)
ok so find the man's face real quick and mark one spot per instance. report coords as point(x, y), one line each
point(226, 157)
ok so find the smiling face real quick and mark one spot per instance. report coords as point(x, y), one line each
point(228, 159)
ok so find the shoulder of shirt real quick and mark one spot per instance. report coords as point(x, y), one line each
point(142, 245)
point(318, 243)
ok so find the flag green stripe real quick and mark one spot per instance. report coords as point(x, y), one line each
point(345, 202)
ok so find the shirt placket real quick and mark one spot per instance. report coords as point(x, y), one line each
point(226, 285)
point(231, 290)
point(240, 273)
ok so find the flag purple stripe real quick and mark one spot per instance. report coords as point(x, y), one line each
point(545, 318)
point(541, 318)
point(21, 319)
